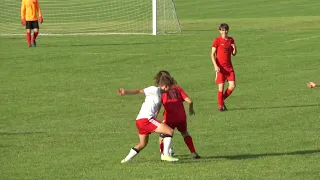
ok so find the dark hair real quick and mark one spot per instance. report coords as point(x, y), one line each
point(165, 80)
point(224, 26)
point(163, 73)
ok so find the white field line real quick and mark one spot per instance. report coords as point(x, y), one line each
point(142, 54)
point(299, 39)
point(192, 55)
point(79, 34)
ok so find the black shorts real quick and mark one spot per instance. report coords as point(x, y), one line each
point(32, 25)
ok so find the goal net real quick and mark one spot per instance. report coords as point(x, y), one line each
point(63, 17)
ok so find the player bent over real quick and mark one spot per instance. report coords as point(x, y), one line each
point(30, 15)
point(146, 122)
point(313, 84)
point(222, 48)
point(174, 114)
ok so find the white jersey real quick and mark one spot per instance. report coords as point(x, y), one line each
point(151, 103)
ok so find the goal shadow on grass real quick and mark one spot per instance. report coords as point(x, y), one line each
point(275, 107)
point(249, 156)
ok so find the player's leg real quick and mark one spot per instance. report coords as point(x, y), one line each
point(220, 79)
point(167, 134)
point(144, 139)
point(35, 32)
point(172, 126)
point(188, 139)
point(28, 32)
point(232, 84)
point(161, 143)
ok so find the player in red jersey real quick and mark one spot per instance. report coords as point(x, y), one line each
point(174, 114)
point(313, 84)
point(222, 48)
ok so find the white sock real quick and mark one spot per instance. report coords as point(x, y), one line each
point(132, 154)
point(166, 145)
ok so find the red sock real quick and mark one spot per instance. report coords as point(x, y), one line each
point(28, 36)
point(35, 34)
point(227, 93)
point(189, 143)
point(161, 148)
point(220, 99)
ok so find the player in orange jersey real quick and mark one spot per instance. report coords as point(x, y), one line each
point(30, 16)
point(313, 84)
point(222, 48)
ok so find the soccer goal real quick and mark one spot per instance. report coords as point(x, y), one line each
point(74, 17)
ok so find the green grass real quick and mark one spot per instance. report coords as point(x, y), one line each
point(60, 117)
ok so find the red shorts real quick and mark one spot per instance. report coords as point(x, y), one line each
point(180, 125)
point(146, 126)
point(224, 75)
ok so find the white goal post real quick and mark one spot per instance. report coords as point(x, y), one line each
point(96, 17)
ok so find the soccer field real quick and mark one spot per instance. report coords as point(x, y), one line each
point(60, 116)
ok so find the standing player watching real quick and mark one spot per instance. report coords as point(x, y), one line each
point(146, 122)
point(313, 84)
point(174, 114)
point(30, 14)
point(222, 48)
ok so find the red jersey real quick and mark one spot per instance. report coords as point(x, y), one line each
point(173, 104)
point(224, 50)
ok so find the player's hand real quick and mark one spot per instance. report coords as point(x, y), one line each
point(216, 68)
point(191, 112)
point(121, 91)
point(40, 19)
point(311, 84)
point(23, 22)
point(233, 46)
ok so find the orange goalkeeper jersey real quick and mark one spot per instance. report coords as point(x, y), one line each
point(30, 10)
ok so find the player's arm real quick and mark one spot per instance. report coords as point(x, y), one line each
point(234, 48)
point(122, 91)
point(39, 12)
point(313, 84)
point(214, 58)
point(23, 13)
point(190, 103)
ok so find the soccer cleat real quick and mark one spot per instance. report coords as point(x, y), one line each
point(34, 43)
point(168, 158)
point(221, 109)
point(124, 161)
point(195, 155)
point(225, 107)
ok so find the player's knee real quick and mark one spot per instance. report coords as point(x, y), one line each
point(185, 134)
point(166, 135)
point(232, 86)
point(162, 135)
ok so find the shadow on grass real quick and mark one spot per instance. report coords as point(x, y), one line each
point(19, 133)
point(188, 158)
point(275, 107)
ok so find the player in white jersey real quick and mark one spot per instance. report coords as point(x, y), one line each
point(146, 122)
